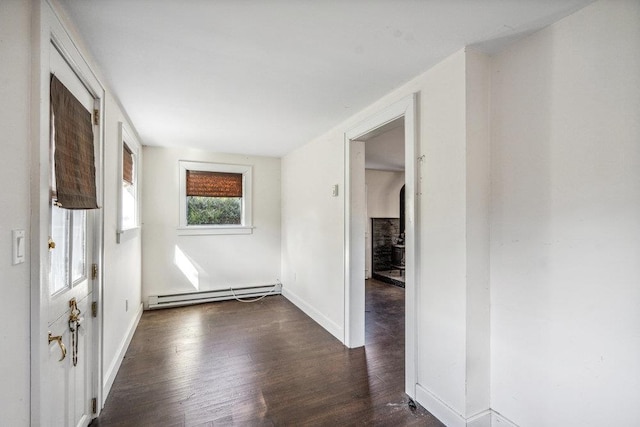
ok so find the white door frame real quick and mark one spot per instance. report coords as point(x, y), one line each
point(355, 219)
point(47, 30)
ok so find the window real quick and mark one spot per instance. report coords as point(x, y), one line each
point(128, 218)
point(72, 187)
point(128, 188)
point(69, 259)
point(215, 198)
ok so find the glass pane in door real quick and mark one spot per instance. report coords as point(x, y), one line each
point(79, 246)
point(59, 256)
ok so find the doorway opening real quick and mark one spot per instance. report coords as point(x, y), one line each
point(384, 202)
point(397, 118)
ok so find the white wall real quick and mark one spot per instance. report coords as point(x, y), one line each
point(15, 81)
point(565, 227)
point(383, 201)
point(313, 231)
point(313, 235)
point(453, 306)
point(222, 261)
point(441, 309)
point(122, 290)
point(478, 88)
point(383, 193)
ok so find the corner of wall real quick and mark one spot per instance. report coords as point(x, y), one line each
point(332, 327)
point(478, 194)
point(498, 420)
point(483, 419)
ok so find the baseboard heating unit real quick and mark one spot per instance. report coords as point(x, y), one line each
point(244, 293)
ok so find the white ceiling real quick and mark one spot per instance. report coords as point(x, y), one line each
point(266, 76)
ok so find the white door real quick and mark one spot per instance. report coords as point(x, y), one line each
point(68, 380)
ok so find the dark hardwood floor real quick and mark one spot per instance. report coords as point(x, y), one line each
point(263, 364)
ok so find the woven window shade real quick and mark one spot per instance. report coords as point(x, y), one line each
point(214, 184)
point(127, 164)
point(74, 158)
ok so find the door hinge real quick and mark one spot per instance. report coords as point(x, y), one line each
point(96, 117)
point(94, 271)
point(94, 309)
point(94, 406)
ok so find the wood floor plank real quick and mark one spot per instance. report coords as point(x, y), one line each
point(263, 364)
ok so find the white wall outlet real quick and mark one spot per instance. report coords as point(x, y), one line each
point(126, 305)
point(19, 242)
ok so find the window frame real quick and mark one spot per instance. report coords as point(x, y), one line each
point(126, 136)
point(246, 225)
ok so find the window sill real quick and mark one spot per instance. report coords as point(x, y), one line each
point(122, 235)
point(204, 230)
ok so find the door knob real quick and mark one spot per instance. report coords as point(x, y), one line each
point(58, 339)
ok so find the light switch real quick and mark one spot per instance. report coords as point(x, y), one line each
point(334, 192)
point(17, 237)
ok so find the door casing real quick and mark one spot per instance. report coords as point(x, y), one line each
point(355, 224)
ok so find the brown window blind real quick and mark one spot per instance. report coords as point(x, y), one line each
point(127, 164)
point(74, 158)
point(214, 184)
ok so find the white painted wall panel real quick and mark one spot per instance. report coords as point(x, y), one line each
point(313, 230)
point(565, 227)
point(15, 82)
point(383, 193)
point(383, 201)
point(442, 208)
point(478, 89)
point(122, 291)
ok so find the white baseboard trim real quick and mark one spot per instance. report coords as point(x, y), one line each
point(451, 418)
point(483, 419)
point(111, 373)
point(446, 414)
point(499, 420)
point(333, 328)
